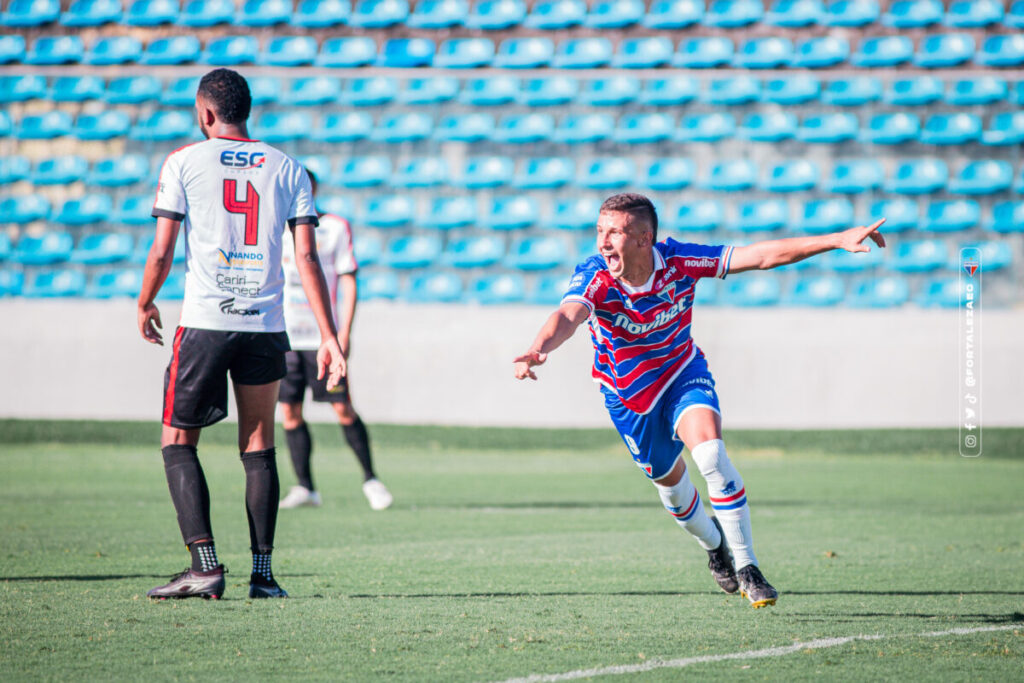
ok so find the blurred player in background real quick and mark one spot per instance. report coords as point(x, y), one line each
point(638, 295)
point(334, 244)
point(234, 196)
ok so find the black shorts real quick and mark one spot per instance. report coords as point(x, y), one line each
point(302, 374)
point(196, 385)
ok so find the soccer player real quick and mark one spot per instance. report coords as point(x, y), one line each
point(234, 196)
point(637, 294)
point(334, 244)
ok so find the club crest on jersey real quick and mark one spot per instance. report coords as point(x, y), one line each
point(668, 293)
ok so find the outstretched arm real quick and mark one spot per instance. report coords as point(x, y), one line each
point(556, 330)
point(329, 357)
point(775, 253)
point(158, 265)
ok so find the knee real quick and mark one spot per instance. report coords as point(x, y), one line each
point(291, 415)
point(346, 413)
point(710, 457)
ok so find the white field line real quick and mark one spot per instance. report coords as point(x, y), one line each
point(818, 644)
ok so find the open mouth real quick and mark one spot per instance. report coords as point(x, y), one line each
point(612, 260)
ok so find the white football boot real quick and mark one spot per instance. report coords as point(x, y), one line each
point(300, 496)
point(378, 494)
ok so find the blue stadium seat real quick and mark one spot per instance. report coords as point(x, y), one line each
point(313, 91)
point(668, 92)
point(673, 14)
point(13, 169)
point(120, 171)
point(852, 92)
point(321, 13)
point(346, 127)
point(703, 53)
point(24, 209)
point(758, 289)
point(318, 165)
point(945, 50)
point(27, 13)
point(764, 53)
point(576, 214)
point(181, 92)
point(545, 173)
point(974, 13)
point(135, 210)
point(827, 215)
point(918, 176)
point(951, 129)
point(644, 128)
point(670, 174)
point(761, 216)
point(368, 171)
point(52, 124)
point(113, 50)
point(479, 251)
point(1015, 15)
point(981, 90)
point(379, 13)
point(347, 52)
point(855, 176)
point(768, 127)
point(433, 90)
point(615, 14)
point(943, 292)
point(161, 126)
point(549, 91)
point(498, 289)
point(464, 53)
point(918, 256)
point(584, 128)
point(337, 205)
point(231, 50)
point(852, 13)
point(47, 249)
point(792, 90)
point(406, 53)
point(6, 125)
point(821, 290)
point(995, 255)
point(76, 88)
point(112, 283)
point(952, 216)
point(525, 53)
point(447, 213)
point(12, 49)
point(900, 214)
point(795, 13)
point(378, 285)
point(733, 13)
point(983, 177)
point(606, 173)
point(548, 290)
point(369, 249)
point(490, 92)
point(884, 51)
point(12, 282)
point(891, 129)
point(433, 288)
point(62, 170)
point(511, 212)
point(496, 15)
point(438, 14)
point(913, 13)
point(792, 176)
point(732, 176)
point(388, 211)
point(732, 91)
point(90, 208)
point(556, 14)
point(913, 92)
point(421, 172)
point(55, 283)
point(524, 128)
point(51, 50)
point(151, 13)
point(609, 92)
point(842, 261)
point(537, 253)
point(22, 88)
point(1008, 217)
point(174, 287)
point(1005, 50)
point(260, 13)
point(703, 215)
point(1006, 128)
point(5, 247)
point(290, 51)
point(102, 249)
point(413, 251)
point(472, 127)
point(145, 243)
point(203, 13)
point(399, 128)
point(274, 127)
point(171, 51)
point(819, 53)
point(370, 92)
point(643, 53)
point(91, 13)
point(583, 53)
point(883, 292)
point(133, 90)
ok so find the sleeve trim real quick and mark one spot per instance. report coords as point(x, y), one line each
point(575, 298)
point(164, 213)
point(726, 260)
point(304, 220)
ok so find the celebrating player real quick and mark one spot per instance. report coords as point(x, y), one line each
point(638, 294)
point(334, 244)
point(234, 196)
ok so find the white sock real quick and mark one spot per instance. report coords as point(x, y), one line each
point(683, 502)
point(728, 498)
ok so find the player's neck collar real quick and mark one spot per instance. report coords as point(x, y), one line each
point(234, 138)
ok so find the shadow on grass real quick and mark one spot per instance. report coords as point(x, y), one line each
point(578, 505)
point(562, 594)
point(104, 577)
point(1011, 618)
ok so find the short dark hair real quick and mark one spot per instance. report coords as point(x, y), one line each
point(228, 93)
point(636, 205)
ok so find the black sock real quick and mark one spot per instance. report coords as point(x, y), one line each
point(204, 556)
point(359, 441)
point(300, 446)
point(262, 489)
point(189, 493)
point(261, 566)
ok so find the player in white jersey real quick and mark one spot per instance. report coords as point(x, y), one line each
point(334, 244)
point(235, 197)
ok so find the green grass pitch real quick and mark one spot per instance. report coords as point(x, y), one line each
point(515, 552)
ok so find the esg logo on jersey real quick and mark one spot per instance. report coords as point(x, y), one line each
point(243, 160)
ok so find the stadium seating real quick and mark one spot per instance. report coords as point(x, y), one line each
point(706, 128)
point(151, 13)
point(496, 15)
point(438, 14)
point(291, 51)
point(792, 176)
point(615, 14)
point(378, 13)
point(367, 92)
point(827, 215)
point(900, 214)
point(407, 52)
point(498, 289)
point(464, 53)
point(113, 50)
point(163, 126)
point(133, 90)
point(764, 53)
point(13, 169)
point(852, 13)
point(879, 292)
point(474, 252)
point(995, 255)
point(52, 124)
point(119, 171)
point(51, 50)
point(914, 92)
point(892, 129)
point(819, 53)
point(347, 52)
point(55, 283)
point(465, 128)
point(982, 177)
point(583, 53)
point(524, 128)
point(203, 13)
point(643, 53)
point(28, 13)
point(421, 172)
point(105, 126)
point(885, 51)
point(12, 49)
point(974, 13)
point(22, 88)
point(952, 216)
point(920, 176)
point(913, 13)
point(260, 13)
point(732, 176)
point(378, 285)
point(918, 256)
point(114, 282)
point(102, 249)
point(511, 213)
point(12, 282)
point(24, 209)
point(170, 51)
point(852, 92)
point(388, 211)
point(1002, 50)
point(490, 92)
point(855, 176)
point(670, 174)
point(429, 90)
point(76, 89)
point(47, 249)
point(537, 253)
point(556, 14)
point(825, 290)
point(433, 288)
point(772, 127)
point(733, 13)
point(90, 208)
point(667, 92)
point(231, 51)
point(413, 251)
point(941, 291)
point(951, 129)
point(180, 92)
point(706, 53)
point(59, 171)
point(983, 90)
point(756, 289)
point(945, 50)
point(447, 213)
point(795, 13)
point(761, 216)
point(575, 214)
point(609, 92)
point(312, 14)
point(644, 128)
point(607, 173)
point(400, 128)
point(1008, 217)
point(545, 173)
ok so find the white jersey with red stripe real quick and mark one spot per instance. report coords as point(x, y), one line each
point(641, 335)
point(235, 198)
point(337, 258)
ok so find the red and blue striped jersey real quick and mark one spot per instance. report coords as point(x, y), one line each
point(642, 335)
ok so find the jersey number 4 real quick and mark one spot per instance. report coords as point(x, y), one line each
point(249, 207)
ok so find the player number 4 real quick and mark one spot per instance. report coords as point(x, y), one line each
point(249, 207)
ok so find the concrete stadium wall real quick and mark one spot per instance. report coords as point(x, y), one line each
point(775, 368)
